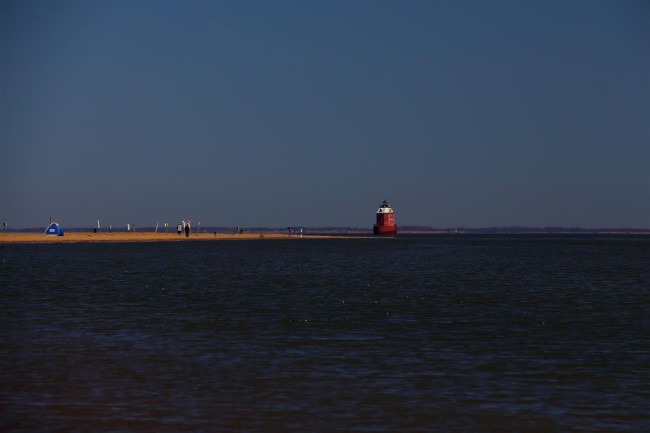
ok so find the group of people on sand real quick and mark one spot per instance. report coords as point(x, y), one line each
point(184, 226)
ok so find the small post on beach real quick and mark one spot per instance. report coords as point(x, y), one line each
point(4, 226)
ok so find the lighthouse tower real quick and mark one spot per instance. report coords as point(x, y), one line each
point(385, 224)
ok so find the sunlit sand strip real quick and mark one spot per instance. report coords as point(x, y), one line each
point(149, 237)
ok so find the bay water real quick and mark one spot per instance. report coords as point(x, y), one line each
point(439, 333)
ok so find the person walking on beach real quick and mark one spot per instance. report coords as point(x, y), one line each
point(179, 229)
point(187, 230)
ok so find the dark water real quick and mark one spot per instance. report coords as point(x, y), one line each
point(412, 334)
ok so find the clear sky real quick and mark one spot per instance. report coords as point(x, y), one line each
point(493, 113)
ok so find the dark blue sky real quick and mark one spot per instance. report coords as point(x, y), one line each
point(312, 113)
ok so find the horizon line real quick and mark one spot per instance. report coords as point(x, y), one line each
point(403, 228)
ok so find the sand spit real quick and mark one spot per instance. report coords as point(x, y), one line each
point(147, 237)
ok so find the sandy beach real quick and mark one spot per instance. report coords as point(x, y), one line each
point(143, 237)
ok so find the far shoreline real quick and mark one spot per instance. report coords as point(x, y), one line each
point(73, 237)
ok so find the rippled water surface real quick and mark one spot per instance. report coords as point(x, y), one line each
point(410, 334)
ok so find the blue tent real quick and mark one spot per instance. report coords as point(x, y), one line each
point(54, 230)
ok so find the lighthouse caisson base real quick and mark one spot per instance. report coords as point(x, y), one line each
point(384, 230)
point(385, 224)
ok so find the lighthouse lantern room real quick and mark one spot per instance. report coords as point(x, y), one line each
point(385, 224)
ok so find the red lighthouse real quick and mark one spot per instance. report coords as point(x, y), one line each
point(385, 224)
